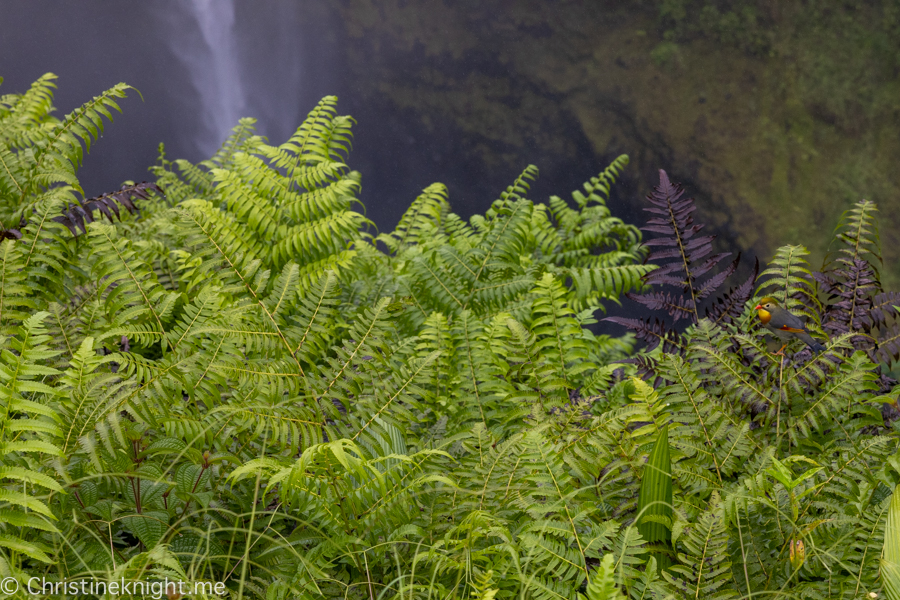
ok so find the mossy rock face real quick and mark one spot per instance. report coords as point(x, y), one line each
point(778, 119)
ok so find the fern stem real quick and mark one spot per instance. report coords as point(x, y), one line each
point(743, 550)
point(368, 577)
point(780, 400)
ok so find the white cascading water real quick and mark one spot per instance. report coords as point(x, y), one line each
point(213, 62)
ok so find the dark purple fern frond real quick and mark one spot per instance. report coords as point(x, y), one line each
point(687, 263)
point(76, 216)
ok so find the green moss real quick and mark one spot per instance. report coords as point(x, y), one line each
point(664, 54)
point(778, 115)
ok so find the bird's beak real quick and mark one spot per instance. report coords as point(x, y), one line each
point(757, 307)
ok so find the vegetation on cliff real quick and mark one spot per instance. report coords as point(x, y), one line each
point(225, 375)
point(755, 104)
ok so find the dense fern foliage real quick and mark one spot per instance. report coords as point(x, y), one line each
point(232, 378)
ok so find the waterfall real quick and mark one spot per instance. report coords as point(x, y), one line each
point(214, 66)
point(268, 60)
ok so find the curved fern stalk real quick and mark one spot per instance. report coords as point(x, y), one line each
point(402, 392)
point(268, 190)
point(490, 267)
point(831, 390)
point(443, 380)
point(536, 380)
point(438, 279)
point(199, 182)
point(598, 187)
point(21, 114)
point(489, 296)
point(237, 189)
point(851, 546)
point(854, 462)
point(13, 181)
point(547, 234)
point(201, 375)
point(195, 326)
point(319, 239)
point(218, 250)
point(47, 251)
point(317, 203)
point(482, 385)
point(854, 281)
point(859, 232)
point(308, 157)
point(580, 232)
point(733, 381)
point(27, 424)
point(610, 449)
point(850, 478)
point(253, 214)
point(316, 318)
point(272, 222)
point(595, 284)
point(370, 380)
point(574, 244)
point(274, 420)
point(496, 471)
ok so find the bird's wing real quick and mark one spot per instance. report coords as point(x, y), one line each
point(787, 321)
point(791, 329)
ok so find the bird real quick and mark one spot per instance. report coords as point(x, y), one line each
point(784, 325)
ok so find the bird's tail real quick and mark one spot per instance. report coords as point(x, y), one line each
point(813, 344)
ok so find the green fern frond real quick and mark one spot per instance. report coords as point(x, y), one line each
point(15, 296)
point(28, 426)
point(859, 232)
point(714, 438)
point(241, 140)
point(129, 284)
point(787, 278)
point(422, 219)
point(57, 159)
point(87, 396)
point(704, 569)
point(598, 187)
point(603, 585)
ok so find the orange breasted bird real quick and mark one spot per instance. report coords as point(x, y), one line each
point(784, 325)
